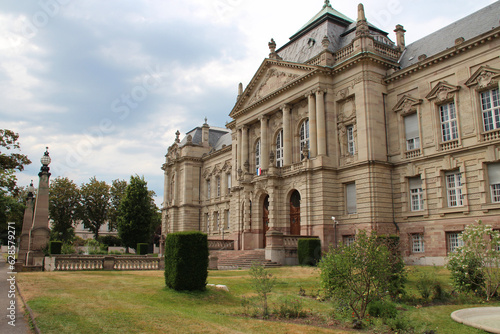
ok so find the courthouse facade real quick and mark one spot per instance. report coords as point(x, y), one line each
point(342, 129)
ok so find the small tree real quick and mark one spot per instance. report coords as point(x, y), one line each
point(136, 213)
point(263, 283)
point(475, 265)
point(357, 274)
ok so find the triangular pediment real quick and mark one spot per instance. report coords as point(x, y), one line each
point(484, 77)
point(407, 104)
point(442, 92)
point(271, 78)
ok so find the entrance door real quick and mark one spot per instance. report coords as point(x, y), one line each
point(265, 220)
point(295, 213)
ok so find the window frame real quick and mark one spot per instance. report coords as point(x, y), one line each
point(304, 137)
point(209, 189)
point(416, 196)
point(493, 111)
point(258, 156)
point(348, 188)
point(455, 192)
point(451, 123)
point(348, 240)
point(417, 243)
point(453, 241)
point(412, 143)
point(279, 149)
point(351, 145)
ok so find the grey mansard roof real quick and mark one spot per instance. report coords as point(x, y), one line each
point(469, 27)
point(217, 137)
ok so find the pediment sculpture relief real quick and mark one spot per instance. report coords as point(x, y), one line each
point(273, 80)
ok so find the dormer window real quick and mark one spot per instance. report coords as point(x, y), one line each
point(311, 42)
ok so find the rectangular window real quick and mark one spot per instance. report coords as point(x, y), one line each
point(416, 193)
point(351, 148)
point(417, 243)
point(257, 158)
point(494, 180)
point(490, 106)
point(411, 132)
point(348, 239)
point(218, 186)
point(208, 189)
point(228, 183)
point(279, 149)
point(454, 189)
point(207, 221)
point(350, 190)
point(449, 128)
point(217, 220)
point(227, 219)
point(453, 241)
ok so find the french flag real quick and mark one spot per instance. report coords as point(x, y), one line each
point(259, 171)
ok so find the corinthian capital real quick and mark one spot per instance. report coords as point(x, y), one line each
point(285, 106)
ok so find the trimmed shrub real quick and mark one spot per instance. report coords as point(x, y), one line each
point(110, 240)
point(55, 247)
point(142, 249)
point(186, 261)
point(309, 251)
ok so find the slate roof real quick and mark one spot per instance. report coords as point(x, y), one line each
point(216, 137)
point(469, 27)
point(340, 29)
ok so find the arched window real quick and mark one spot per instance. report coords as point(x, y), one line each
point(257, 158)
point(304, 137)
point(279, 149)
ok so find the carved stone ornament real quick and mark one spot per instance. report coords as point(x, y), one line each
point(484, 77)
point(343, 93)
point(347, 110)
point(206, 173)
point(443, 91)
point(273, 80)
point(407, 104)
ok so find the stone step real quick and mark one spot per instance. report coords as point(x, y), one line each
point(233, 260)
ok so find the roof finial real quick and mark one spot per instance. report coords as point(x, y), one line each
point(327, 4)
point(206, 119)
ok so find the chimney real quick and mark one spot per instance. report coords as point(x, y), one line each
point(400, 36)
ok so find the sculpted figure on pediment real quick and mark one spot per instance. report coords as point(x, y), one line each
point(273, 80)
point(484, 79)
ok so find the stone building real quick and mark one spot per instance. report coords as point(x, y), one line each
point(343, 122)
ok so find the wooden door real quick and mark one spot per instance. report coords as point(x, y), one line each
point(265, 220)
point(295, 213)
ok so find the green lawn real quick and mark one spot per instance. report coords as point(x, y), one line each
point(138, 302)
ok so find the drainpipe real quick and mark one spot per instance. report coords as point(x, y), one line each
point(384, 96)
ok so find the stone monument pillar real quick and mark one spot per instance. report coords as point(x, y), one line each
point(40, 232)
point(24, 243)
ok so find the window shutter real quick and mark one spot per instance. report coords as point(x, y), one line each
point(351, 197)
point(494, 173)
point(411, 126)
point(415, 182)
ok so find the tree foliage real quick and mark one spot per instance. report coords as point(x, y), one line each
point(136, 213)
point(357, 274)
point(94, 205)
point(64, 202)
point(11, 196)
point(475, 265)
point(117, 191)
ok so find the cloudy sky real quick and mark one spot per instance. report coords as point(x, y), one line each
point(105, 84)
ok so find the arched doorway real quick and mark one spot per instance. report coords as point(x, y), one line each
point(295, 213)
point(265, 219)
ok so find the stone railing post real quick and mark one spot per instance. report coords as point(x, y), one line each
point(108, 263)
point(275, 249)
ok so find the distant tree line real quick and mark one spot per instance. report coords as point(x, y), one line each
point(128, 207)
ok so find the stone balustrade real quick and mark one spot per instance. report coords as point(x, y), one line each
point(292, 241)
point(214, 244)
point(104, 262)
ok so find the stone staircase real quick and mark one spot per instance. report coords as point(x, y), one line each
point(243, 259)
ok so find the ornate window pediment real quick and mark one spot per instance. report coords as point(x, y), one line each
point(485, 77)
point(443, 92)
point(407, 105)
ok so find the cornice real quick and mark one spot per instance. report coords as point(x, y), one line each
point(445, 55)
point(226, 149)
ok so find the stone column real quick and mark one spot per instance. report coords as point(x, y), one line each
point(321, 119)
point(40, 232)
point(287, 142)
point(264, 145)
point(27, 224)
point(313, 137)
point(244, 148)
